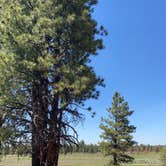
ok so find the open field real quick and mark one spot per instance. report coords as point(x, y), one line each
point(77, 159)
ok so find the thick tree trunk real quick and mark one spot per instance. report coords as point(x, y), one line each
point(53, 146)
point(35, 148)
point(53, 155)
point(39, 120)
point(35, 133)
point(46, 126)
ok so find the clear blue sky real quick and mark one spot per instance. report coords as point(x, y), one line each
point(133, 63)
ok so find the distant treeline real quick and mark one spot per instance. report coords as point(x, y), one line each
point(13, 150)
point(94, 148)
point(82, 147)
point(145, 148)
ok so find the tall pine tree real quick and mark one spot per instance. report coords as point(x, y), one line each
point(117, 132)
point(45, 49)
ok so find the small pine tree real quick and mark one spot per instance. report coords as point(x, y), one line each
point(117, 138)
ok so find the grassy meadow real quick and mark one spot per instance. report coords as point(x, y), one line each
point(85, 159)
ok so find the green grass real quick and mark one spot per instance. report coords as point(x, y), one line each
point(80, 159)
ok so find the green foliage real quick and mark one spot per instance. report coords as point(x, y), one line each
point(117, 138)
point(31, 33)
point(45, 50)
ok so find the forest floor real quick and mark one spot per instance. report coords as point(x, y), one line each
point(85, 159)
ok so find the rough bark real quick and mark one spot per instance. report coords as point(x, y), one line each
point(35, 133)
point(53, 146)
point(53, 153)
point(35, 148)
point(39, 120)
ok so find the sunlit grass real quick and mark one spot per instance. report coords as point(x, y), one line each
point(85, 159)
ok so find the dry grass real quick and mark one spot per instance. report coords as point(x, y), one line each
point(80, 159)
